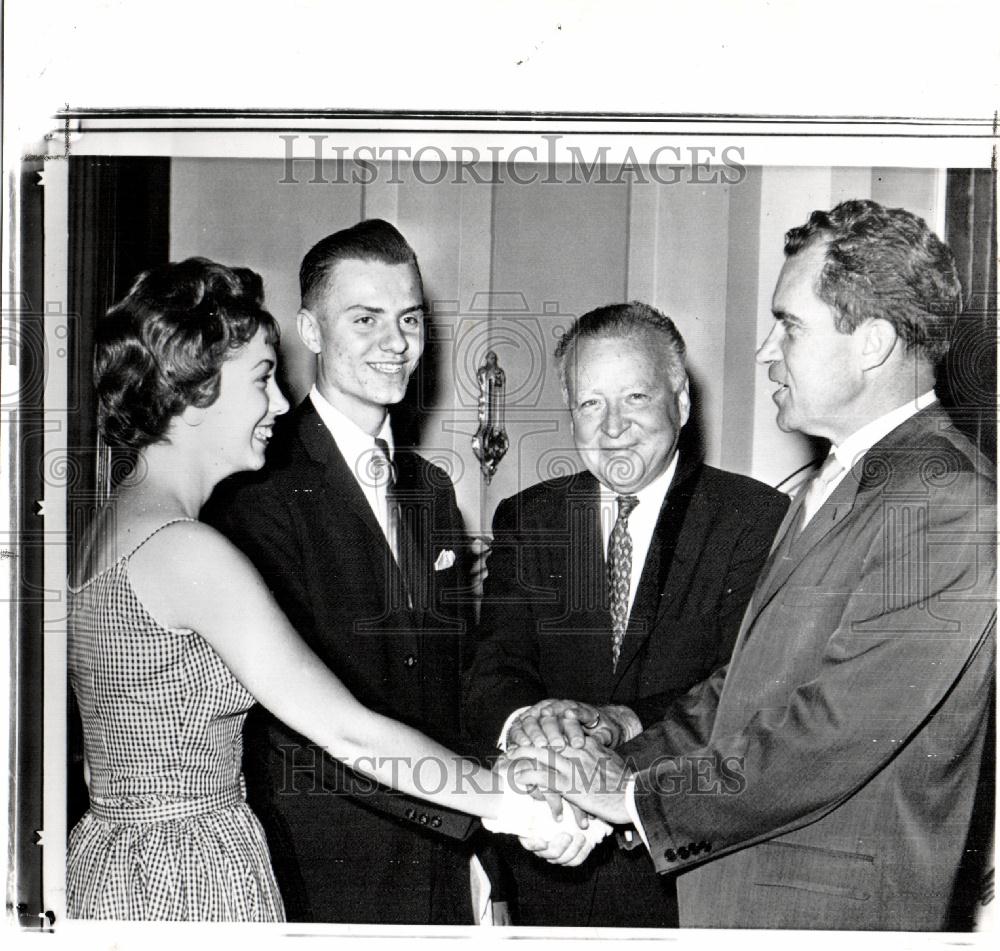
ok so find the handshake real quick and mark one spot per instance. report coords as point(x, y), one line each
point(562, 783)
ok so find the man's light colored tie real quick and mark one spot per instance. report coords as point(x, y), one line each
point(400, 540)
point(620, 574)
point(384, 476)
point(818, 490)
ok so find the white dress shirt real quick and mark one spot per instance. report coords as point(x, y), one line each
point(848, 453)
point(858, 443)
point(363, 457)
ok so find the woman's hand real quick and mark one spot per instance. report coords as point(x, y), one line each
point(539, 819)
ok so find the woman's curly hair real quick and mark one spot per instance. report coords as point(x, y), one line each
point(161, 348)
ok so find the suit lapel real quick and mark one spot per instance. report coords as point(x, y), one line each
point(836, 508)
point(868, 475)
point(665, 565)
point(321, 448)
point(777, 566)
point(584, 567)
point(794, 545)
point(588, 584)
point(416, 514)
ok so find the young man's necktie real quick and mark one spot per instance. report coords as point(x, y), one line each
point(400, 540)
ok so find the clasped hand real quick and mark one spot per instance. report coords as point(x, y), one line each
point(589, 776)
point(592, 779)
point(557, 751)
point(559, 723)
point(536, 815)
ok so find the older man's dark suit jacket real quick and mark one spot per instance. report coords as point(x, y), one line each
point(850, 722)
point(343, 851)
point(546, 632)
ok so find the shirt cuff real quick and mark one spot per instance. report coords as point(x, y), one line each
point(505, 729)
point(629, 720)
point(633, 812)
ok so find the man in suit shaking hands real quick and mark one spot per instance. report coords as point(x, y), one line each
point(840, 748)
point(362, 544)
point(614, 590)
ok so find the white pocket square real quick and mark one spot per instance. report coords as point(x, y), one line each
point(445, 559)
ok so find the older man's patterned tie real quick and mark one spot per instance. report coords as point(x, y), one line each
point(620, 574)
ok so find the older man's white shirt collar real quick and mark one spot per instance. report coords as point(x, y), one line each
point(352, 441)
point(858, 443)
point(651, 496)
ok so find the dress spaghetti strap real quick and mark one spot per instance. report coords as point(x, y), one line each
point(155, 531)
point(77, 588)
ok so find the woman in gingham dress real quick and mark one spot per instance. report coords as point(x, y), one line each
point(173, 634)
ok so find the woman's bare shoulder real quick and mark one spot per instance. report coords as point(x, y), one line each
point(185, 562)
point(188, 546)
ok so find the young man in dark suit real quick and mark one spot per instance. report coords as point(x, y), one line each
point(361, 543)
point(566, 625)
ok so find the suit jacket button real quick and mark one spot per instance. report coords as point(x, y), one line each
point(683, 852)
point(436, 822)
point(423, 819)
point(670, 855)
point(411, 661)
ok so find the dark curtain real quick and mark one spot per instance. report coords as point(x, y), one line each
point(119, 226)
point(969, 390)
point(969, 385)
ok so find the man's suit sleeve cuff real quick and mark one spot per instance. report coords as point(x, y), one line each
point(505, 729)
point(669, 850)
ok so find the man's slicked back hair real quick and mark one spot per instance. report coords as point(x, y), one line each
point(369, 240)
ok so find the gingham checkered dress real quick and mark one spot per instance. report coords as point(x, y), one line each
point(168, 835)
